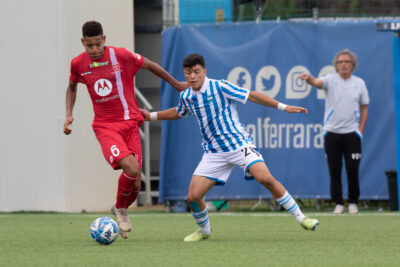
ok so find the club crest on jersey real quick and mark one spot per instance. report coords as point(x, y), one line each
point(103, 87)
point(116, 67)
point(98, 64)
point(210, 98)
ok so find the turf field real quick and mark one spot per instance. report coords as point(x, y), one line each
point(238, 239)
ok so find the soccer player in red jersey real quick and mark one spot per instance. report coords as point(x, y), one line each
point(108, 73)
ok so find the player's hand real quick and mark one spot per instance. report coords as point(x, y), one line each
point(68, 122)
point(304, 76)
point(294, 109)
point(146, 114)
point(182, 86)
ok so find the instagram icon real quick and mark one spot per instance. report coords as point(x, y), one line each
point(296, 88)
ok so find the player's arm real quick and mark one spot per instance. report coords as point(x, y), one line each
point(265, 100)
point(312, 80)
point(363, 118)
point(168, 114)
point(163, 74)
point(70, 102)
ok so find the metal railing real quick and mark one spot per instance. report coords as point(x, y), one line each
point(145, 137)
point(256, 10)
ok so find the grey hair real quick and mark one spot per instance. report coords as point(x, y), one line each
point(346, 51)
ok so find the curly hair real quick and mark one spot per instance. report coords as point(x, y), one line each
point(352, 56)
point(92, 28)
point(192, 60)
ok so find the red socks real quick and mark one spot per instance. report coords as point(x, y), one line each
point(134, 195)
point(126, 193)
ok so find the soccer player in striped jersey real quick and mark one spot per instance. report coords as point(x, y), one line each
point(225, 141)
point(108, 73)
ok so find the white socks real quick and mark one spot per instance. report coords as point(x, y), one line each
point(291, 206)
point(202, 221)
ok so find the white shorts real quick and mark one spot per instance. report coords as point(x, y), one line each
point(218, 166)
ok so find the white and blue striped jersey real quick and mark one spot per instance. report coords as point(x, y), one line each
point(214, 107)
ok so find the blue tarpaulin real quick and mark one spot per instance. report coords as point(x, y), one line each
point(268, 57)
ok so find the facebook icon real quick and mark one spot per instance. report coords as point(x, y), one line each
point(241, 77)
point(241, 81)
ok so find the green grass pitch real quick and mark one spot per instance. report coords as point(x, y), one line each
point(238, 239)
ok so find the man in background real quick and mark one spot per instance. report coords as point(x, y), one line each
point(346, 112)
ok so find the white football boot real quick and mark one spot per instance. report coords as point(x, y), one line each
point(123, 221)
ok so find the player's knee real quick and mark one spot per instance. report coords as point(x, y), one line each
point(192, 197)
point(133, 171)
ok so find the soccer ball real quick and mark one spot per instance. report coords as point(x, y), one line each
point(104, 230)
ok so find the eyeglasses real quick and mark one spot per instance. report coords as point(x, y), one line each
point(343, 61)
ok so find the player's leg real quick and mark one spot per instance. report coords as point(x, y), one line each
point(199, 186)
point(212, 169)
point(128, 184)
point(135, 146)
point(120, 143)
point(115, 150)
point(128, 187)
point(262, 174)
point(251, 161)
point(135, 191)
point(334, 153)
point(352, 158)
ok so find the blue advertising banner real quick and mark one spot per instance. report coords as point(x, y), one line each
point(269, 57)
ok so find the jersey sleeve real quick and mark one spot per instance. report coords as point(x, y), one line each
point(183, 107)
point(134, 60)
point(234, 92)
point(74, 71)
point(326, 79)
point(364, 94)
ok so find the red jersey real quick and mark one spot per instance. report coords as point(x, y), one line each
point(110, 83)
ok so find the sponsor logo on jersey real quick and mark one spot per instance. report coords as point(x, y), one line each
point(98, 64)
point(103, 87)
point(106, 99)
point(86, 73)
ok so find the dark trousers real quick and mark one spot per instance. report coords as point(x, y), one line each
point(347, 145)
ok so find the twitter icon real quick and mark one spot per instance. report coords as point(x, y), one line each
point(268, 81)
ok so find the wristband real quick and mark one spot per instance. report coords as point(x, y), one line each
point(281, 106)
point(153, 116)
